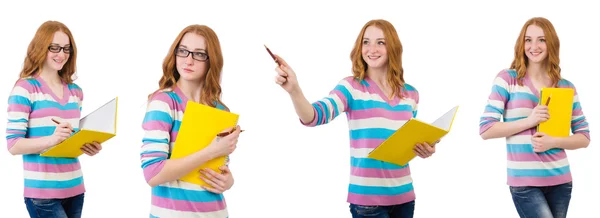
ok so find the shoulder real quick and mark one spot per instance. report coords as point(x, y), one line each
point(29, 83)
point(74, 88)
point(564, 83)
point(508, 75)
point(165, 99)
point(411, 92)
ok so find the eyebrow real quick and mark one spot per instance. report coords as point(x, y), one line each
point(375, 39)
point(538, 36)
point(58, 44)
point(198, 49)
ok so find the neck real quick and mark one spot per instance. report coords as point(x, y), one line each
point(191, 90)
point(50, 77)
point(378, 75)
point(536, 71)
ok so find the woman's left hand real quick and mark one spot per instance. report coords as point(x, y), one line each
point(91, 149)
point(425, 150)
point(219, 182)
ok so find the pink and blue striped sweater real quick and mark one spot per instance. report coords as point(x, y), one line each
point(176, 198)
point(372, 118)
point(512, 101)
point(31, 106)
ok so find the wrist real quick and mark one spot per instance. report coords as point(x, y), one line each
point(295, 93)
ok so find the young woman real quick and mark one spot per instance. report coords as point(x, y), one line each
point(45, 93)
point(191, 72)
point(377, 102)
point(538, 170)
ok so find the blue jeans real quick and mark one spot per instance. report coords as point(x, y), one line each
point(55, 208)
point(542, 202)
point(405, 210)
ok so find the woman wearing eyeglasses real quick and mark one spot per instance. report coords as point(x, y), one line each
point(45, 94)
point(191, 72)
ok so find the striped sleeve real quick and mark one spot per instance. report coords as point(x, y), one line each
point(579, 124)
point(412, 92)
point(334, 104)
point(19, 107)
point(496, 101)
point(157, 125)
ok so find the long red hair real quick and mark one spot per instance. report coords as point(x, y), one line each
point(211, 90)
point(38, 51)
point(552, 47)
point(395, 74)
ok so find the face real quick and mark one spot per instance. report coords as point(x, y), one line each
point(58, 52)
point(535, 44)
point(191, 57)
point(374, 52)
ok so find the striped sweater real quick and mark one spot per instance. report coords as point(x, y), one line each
point(31, 106)
point(372, 118)
point(176, 198)
point(512, 102)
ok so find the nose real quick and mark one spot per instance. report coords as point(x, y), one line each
point(189, 60)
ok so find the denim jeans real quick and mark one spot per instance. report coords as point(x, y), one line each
point(542, 202)
point(55, 208)
point(405, 210)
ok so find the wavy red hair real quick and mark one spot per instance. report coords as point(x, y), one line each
point(38, 51)
point(395, 74)
point(211, 90)
point(552, 61)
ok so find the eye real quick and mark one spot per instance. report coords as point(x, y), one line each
point(542, 40)
point(54, 48)
point(381, 43)
point(365, 42)
point(527, 40)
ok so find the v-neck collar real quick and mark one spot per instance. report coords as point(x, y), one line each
point(182, 96)
point(392, 102)
point(45, 88)
point(529, 83)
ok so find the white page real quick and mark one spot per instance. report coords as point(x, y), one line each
point(445, 121)
point(102, 119)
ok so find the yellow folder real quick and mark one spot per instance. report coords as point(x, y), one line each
point(100, 126)
point(560, 108)
point(199, 127)
point(398, 148)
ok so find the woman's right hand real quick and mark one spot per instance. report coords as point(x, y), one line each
point(222, 146)
point(61, 132)
point(286, 77)
point(538, 115)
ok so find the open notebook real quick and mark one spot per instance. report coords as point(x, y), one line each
point(100, 125)
point(398, 148)
point(199, 127)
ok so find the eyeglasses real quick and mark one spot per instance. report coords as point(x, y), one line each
point(57, 49)
point(199, 56)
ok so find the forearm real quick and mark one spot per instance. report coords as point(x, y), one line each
point(174, 169)
point(303, 107)
point(506, 129)
point(29, 146)
point(573, 142)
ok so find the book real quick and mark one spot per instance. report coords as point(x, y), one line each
point(398, 148)
point(199, 127)
point(560, 108)
point(98, 126)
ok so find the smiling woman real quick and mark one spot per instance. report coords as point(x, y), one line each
point(539, 174)
point(44, 94)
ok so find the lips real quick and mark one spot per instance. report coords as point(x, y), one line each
point(373, 57)
point(187, 70)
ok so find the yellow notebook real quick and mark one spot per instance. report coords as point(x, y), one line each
point(100, 125)
point(199, 127)
point(398, 148)
point(560, 108)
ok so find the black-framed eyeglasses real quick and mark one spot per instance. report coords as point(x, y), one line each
point(57, 49)
point(199, 56)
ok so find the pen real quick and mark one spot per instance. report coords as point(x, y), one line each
point(548, 100)
point(223, 134)
point(59, 123)
point(273, 56)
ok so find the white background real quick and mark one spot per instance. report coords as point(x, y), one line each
point(283, 169)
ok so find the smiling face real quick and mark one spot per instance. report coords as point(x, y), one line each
point(58, 52)
point(535, 44)
point(374, 51)
point(191, 57)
